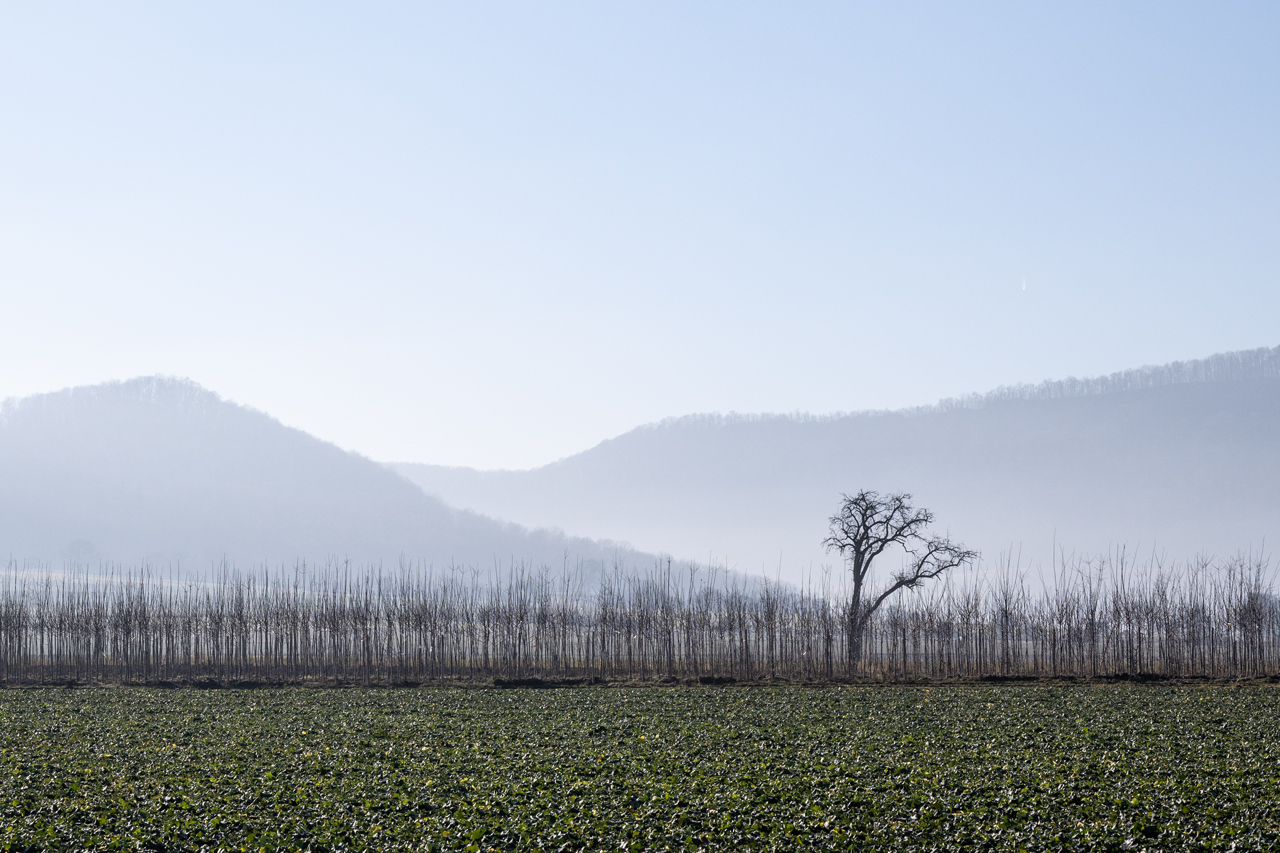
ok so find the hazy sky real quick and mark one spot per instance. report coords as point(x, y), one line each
point(494, 235)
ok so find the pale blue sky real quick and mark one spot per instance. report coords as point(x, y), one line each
point(494, 235)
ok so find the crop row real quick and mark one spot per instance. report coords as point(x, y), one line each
point(1050, 768)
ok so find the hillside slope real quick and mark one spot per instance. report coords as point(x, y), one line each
point(160, 469)
point(1185, 457)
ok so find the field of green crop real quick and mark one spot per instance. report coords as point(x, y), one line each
point(949, 768)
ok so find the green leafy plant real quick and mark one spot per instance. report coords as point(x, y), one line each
point(954, 768)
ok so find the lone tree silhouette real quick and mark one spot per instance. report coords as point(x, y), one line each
point(867, 525)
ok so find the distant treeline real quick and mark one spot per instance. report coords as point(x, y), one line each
point(1263, 363)
point(1094, 617)
point(1256, 364)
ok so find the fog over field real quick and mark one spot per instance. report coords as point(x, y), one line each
point(1182, 459)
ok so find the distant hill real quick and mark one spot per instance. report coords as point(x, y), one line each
point(160, 469)
point(1185, 457)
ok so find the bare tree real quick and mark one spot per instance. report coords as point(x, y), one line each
point(1100, 615)
point(866, 526)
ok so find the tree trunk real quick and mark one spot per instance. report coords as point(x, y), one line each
point(857, 626)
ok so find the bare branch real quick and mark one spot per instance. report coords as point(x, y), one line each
point(866, 525)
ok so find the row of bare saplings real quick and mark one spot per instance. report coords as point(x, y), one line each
point(1092, 617)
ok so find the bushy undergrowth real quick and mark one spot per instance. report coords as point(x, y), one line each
point(947, 768)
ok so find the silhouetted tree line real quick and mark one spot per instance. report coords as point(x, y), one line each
point(1092, 617)
point(1262, 363)
point(1256, 364)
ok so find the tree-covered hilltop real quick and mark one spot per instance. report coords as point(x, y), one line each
point(159, 469)
point(1184, 458)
